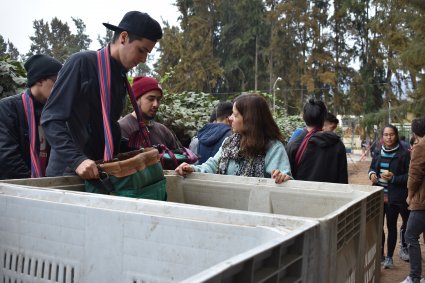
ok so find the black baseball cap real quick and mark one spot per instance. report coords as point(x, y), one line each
point(140, 24)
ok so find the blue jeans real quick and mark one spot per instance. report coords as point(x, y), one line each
point(415, 226)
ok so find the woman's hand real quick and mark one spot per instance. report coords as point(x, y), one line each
point(279, 177)
point(373, 178)
point(387, 175)
point(184, 169)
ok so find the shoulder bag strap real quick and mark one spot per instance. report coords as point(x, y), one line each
point(36, 171)
point(103, 62)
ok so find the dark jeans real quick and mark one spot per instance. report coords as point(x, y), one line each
point(415, 226)
point(391, 212)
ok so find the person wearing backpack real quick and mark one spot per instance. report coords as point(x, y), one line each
point(317, 155)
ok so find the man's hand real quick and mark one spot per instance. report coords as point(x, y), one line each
point(87, 170)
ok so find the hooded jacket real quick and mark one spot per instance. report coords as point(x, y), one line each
point(210, 139)
point(324, 160)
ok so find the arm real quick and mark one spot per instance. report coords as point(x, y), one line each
point(401, 180)
point(209, 166)
point(277, 159)
point(343, 168)
point(12, 161)
point(58, 110)
point(417, 169)
point(372, 173)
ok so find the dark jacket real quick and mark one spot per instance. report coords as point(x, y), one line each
point(324, 160)
point(399, 166)
point(210, 138)
point(72, 118)
point(14, 138)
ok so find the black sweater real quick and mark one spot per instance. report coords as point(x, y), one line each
point(72, 118)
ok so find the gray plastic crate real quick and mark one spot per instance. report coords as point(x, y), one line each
point(50, 235)
point(350, 216)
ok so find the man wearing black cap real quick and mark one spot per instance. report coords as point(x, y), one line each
point(23, 149)
point(73, 116)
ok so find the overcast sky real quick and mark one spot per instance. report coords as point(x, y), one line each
point(17, 16)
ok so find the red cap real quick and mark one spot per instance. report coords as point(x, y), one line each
point(142, 85)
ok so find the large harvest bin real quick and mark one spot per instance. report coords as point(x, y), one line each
point(350, 216)
point(50, 235)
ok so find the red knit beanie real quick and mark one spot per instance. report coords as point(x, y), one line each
point(142, 85)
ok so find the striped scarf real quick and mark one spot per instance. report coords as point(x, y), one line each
point(36, 170)
point(386, 156)
point(140, 138)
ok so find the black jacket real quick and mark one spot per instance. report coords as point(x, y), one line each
point(399, 166)
point(324, 160)
point(14, 138)
point(72, 118)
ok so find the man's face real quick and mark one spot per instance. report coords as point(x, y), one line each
point(46, 87)
point(149, 104)
point(135, 52)
point(329, 127)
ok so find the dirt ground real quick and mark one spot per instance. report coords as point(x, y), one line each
point(357, 171)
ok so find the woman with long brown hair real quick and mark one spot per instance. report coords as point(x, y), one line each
point(255, 149)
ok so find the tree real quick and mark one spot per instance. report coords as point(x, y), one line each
point(198, 68)
point(106, 39)
point(8, 49)
point(57, 40)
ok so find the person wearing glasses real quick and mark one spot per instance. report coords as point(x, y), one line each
point(389, 169)
point(24, 151)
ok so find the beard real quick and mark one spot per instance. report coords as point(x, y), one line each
point(147, 117)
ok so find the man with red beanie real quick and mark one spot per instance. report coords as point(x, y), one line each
point(148, 93)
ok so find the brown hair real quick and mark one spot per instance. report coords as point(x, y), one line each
point(259, 127)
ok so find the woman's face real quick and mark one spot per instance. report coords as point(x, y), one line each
point(390, 137)
point(237, 120)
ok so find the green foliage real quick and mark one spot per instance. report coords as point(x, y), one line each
point(186, 113)
point(12, 76)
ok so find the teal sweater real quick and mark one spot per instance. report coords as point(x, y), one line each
point(276, 158)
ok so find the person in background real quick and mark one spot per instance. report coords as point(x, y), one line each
point(148, 94)
point(389, 168)
point(212, 135)
point(404, 143)
point(24, 151)
point(317, 155)
point(416, 202)
point(255, 148)
point(73, 116)
point(331, 123)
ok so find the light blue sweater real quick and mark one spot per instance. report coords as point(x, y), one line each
point(276, 158)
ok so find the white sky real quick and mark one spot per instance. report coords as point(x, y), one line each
point(17, 16)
